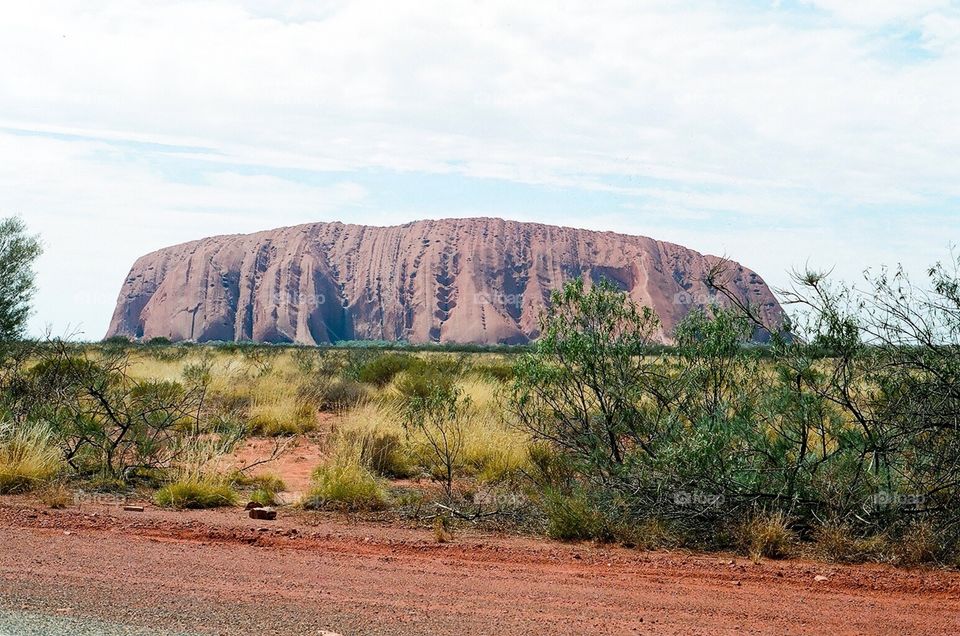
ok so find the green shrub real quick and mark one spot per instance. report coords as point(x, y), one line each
point(381, 370)
point(196, 493)
point(572, 517)
point(117, 341)
point(550, 467)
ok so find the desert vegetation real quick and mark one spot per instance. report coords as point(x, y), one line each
point(837, 438)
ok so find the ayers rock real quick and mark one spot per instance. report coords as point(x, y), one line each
point(455, 280)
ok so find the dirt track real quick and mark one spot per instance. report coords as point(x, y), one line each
point(219, 572)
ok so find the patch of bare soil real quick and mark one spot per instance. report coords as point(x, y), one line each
point(293, 460)
point(220, 572)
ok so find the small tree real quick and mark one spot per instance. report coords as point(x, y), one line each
point(18, 251)
point(105, 416)
point(438, 418)
point(588, 387)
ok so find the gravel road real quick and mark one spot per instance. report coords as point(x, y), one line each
point(219, 572)
point(20, 623)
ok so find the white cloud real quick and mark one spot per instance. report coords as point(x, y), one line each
point(873, 13)
point(695, 109)
point(96, 215)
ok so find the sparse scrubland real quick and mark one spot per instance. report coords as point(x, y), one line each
point(837, 439)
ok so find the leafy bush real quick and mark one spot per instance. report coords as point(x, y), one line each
point(570, 517)
point(701, 433)
point(104, 417)
point(118, 341)
point(381, 369)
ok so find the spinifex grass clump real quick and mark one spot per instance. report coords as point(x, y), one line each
point(196, 493)
point(29, 457)
point(263, 488)
point(345, 483)
point(375, 431)
point(197, 479)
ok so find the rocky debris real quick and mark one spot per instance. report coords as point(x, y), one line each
point(478, 280)
point(132, 508)
point(266, 514)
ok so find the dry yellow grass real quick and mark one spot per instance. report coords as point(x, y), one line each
point(29, 457)
point(268, 394)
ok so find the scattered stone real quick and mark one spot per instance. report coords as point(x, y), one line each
point(820, 578)
point(267, 514)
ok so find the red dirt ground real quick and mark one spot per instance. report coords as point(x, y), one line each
point(220, 572)
point(295, 462)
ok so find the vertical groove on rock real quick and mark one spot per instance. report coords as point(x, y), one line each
point(463, 280)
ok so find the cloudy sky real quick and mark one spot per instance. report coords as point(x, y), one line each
point(778, 133)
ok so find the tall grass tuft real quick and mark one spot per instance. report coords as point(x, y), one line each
point(29, 457)
point(198, 481)
point(375, 432)
point(767, 535)
point(345, 483)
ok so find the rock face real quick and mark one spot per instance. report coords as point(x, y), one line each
point(454, 280)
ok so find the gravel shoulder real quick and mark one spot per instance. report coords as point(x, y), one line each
point(219, 572)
